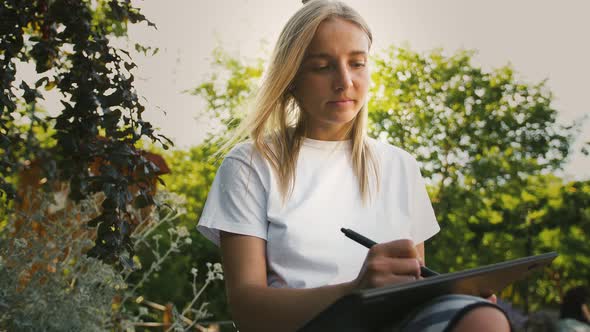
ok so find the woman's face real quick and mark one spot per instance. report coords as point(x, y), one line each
point(332, 83)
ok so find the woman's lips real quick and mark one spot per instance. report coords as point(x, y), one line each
point(341, 103)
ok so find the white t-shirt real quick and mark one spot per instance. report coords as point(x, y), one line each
point(304, 245)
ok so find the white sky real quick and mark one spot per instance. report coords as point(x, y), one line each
point(541, 38)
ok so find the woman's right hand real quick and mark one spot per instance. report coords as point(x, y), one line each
point(389, 263)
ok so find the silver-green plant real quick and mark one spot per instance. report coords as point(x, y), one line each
point(47, 283)
point(171, 207)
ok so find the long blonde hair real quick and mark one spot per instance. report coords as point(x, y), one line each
point(276, 123)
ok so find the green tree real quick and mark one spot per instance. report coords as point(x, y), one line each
point(482, 139)
point(464, 125)
point(68, 42)
point(553, 216)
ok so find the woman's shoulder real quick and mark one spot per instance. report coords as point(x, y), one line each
point(389, 152)
point(246, 152)
point(241, 150)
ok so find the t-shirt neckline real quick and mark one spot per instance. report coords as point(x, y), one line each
point(327, 145)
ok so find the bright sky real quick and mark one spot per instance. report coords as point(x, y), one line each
point(541, 38)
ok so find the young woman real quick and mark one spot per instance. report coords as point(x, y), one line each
point(279, 199)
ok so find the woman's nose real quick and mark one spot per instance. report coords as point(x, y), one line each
point(343, 79)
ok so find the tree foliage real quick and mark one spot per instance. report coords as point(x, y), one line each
point(230, 86)
point(101, 117)
point(464, 125)
point(485, 142)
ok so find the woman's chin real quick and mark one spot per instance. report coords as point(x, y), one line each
point(343, 117)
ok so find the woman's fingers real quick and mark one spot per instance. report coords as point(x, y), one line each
point(381, 271)
point(398, 266)
point(398, 248)
point(389, 263)
point(384, 280)
point(492, 298)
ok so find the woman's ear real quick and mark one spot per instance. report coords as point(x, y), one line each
point(291, 90)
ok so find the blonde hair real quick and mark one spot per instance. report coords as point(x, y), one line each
point(277, 125)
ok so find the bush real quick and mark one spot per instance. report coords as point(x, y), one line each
point(47, 282)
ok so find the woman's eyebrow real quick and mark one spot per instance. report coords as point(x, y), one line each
point(322, 55)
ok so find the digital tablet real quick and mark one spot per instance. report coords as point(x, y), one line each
point(369, 309)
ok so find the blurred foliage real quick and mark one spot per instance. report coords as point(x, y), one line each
point(191, 177)
point(101, 120)
point(465, 126)
point(226, 92)
point(487, 144)
point(231, 84)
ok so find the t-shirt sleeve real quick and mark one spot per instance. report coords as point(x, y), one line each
point(236, 202)
point(424, 224)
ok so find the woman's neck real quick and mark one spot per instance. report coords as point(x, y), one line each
point(329, 133)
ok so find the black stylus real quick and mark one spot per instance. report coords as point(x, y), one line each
point(424, 271)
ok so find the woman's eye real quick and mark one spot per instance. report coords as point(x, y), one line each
point(328, 67)
point(321, 68)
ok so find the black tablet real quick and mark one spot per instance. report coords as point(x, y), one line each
point(370, 309)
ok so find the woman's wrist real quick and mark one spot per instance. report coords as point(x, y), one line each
point(349, 287)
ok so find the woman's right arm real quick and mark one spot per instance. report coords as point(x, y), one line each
point(257, 307)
